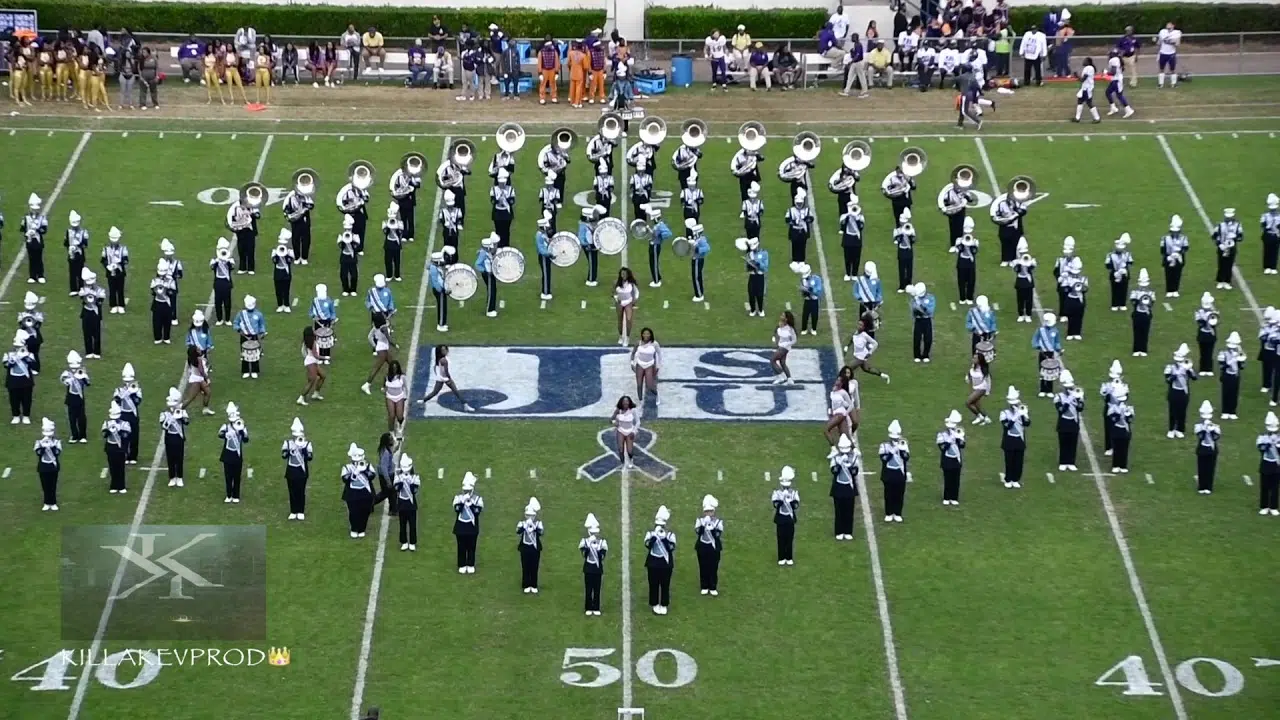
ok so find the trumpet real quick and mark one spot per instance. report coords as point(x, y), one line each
point(463, 153)
point(806, 146)
point(856, 155)
point(751, 136)
point(913, 161)
point(564, 139)
point(360, 174)
point(305, 182)
point(610, 126)
point(510, 137)
point(653, 130)
point(1021, 188)
point(693, 133)
point(1213, 319)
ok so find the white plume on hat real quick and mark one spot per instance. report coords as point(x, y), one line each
point(30, 300)
point(920, 289)
point(1049, 319)
point(1013, 396)
point(285, 236)
point(740, 244)
point(33, 200)
point(197, 317)
point(801, 194)
point(787, 475)
point(437, 257)
point(1144, 278)
point(968, 224)
point(1233, 340)
point(406, 462)
point(47, 427)
point(1123, 240)
point(983, 303)
point(174, 397)
point(449, 197)
point(662, 516)
point(469, 481)
point(1206, 410)
point(73, 217)
point(869, 268)
point(1175, 223)
point(296, 427)
point(1228, 212)
point(905, 215)
point(1182, 351)
point(113, 234)
point(1273, 201)
point(1206, 300)
point(592, 525)
point(844, 444)
point(1066, 378)
point(113, 412)
point(73, 359)
point(1068, 245)
point(1076, 266)
point(1273, 422)
point(379, 280)
point(354, 451)
point(349, 222)
point(162, 267)
point(1120, 391)
point(223, 244)
point(233, 412)
point(953, 419)
point(126, 373)
point(753, 243)
point(533, 507)
point(1116, 370)
point(87, 275)
point(895, 430)
point(709, 503)
point(322, 291)
point(753, 188)
point(1024, 247)
point(250, 302)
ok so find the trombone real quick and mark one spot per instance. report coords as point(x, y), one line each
point(306, 182)
point(913, 161)
point(510, 137)
point(653, 130)
point(856, 155)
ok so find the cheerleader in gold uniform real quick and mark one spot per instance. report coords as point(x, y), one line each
point(18, 80)
point(64, 62)
point(46, 74)
point(83, 87)
point(29, 52)
point(98, 82)
point(262, 74)
point(212, 74)
point(232, 73)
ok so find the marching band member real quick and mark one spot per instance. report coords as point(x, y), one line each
point(115, 259)
point(685, 161)
point(404, 194)
point(452, 178)
point(646, 360)
point(357, 491)
point(1115, 88)
point(796, 172)
point(451, 218)
point(898, 188)
point(603, 186)
point(1121, 414)
point(799, 219)
point(709, 529)
point(380, 339)
point(811, 290)
point(786, 504)
point(1024, 280)
point(625, 294)
point(297, 210)
point(980, 321)
point(542, 241)
point(393, 234)
point(1015, 420)
point(955, 205)
point(551, 200)
point(1232, 362)
point(640, 153)
point(852, 223)
point(895, 454)
point(282, 259)
point(864, 346)
point(174, 272)
point(966, 252)
point(252, 327)
point(378, 299)
point(502, 197)
point(1227, 235)
point(48, 450)
point(1008, 214)
point(33, 228)
point(242, 220)
point(1173, 255)
point(641, 188)
point(1076, 286)
point(904, 239)
point(784, 338)
point(691, 197)
point(407, 483)
point(162, 313)
point(843, 183)
point(586, 239)
point(530, 532)
point(91, 299)
point(76, 380)
point(173, 424)
point(1208, 434)
point(951, 443)
point(324, 313)
point(76, 241)
point(867, 291)
point(626, 421)
point(923, 307)
point(1270, 222)
point(846, 466)
point(1070, 405)
point(353, 203)
point(979, 380)
point(1269, 354)
point(1269, 467)
point(658, 234)
point(1118, 262)
point(234, 436)
point(752, 211)
point(1047, 342)
point(1115, 376)
point(435, 276)
point(594, 549)
point(1206, 318)
point(442, 376)
point(115, 436)
point(1143, 300)
point(698, 260)
point(129, 397)
point(1084, 96)
point(297, 453)
point(554, 160)
point(484, 268)
point(221, 265)
point(502, 161)
point(757, 269)
point(600, 153)
point(19, 379)
point(660, 561)
point(311, 365)
point(349, 253)
point(746, 167)
point(843, 415)
point(1061, 267)
point(467, 506)
point(31, 320)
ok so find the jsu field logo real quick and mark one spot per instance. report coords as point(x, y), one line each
point(695, 383)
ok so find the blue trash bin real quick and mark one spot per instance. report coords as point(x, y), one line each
point(682, 70)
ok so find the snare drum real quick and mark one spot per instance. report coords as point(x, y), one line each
point(1050, 369)
point(565, 249)
point(987, 350)
point(250, 350)
point(324, 336)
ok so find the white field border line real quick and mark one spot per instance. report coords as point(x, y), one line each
point(877, 571)
point(1135, 584)
point(21, 255)
point(1208, 225)
point(380, 557)
point(625, 481)
point(82, 685)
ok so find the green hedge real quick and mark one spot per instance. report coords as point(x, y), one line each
point(1148, 18)
point(695, 23)
point(319, 20)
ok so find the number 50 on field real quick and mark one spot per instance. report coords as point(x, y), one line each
point(582, 668)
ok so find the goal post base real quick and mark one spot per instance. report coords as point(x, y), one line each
point(630, 713)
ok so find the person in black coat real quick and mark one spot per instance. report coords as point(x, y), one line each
point(846, 465)
point(710, 529)
point(786, 501)
point(1014, 420)
point(467, 506)
point(530, 546)
point(593, 549)
point(660, 561)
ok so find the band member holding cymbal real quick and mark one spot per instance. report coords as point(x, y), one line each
point(625, 294)
point(659, 233)
point(586, 238)
point(757, 260)
point(484, 268)
point(811, 290)
point(646, 360)
point(698, 261)
point(542, 240)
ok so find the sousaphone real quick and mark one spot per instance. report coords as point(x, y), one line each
point(360, 174)
point(752, 136)
point(253, 194)
point(806, 146)
point(1021, 188)
point(964, 177)
point(510, 137)
point(462, 153)
point(610, 126)
point(564, 139)
point(693, 133)
point(306, 181)
point(653, 130)
point(913, 161)
point(856, 155)
point(414, 164)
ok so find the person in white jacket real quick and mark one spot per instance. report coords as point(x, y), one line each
point(1034, 47)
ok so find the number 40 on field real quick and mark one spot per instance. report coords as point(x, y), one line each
point(1131, 674)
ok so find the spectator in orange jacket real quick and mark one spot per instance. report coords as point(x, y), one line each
point(579, 65)
point(548, 69)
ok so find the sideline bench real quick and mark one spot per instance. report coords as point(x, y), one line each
point(819, 67)
point(395, 66)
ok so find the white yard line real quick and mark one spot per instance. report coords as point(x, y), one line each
point(21, 256)
point(380, 557)
point(625, 483)
point(1113, 519)
point(1208, 225)
point(869, 525)
point(82, 684)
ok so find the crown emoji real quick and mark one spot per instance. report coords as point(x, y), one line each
point(278, 656)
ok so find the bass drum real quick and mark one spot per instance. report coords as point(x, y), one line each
point(682, 247)
point(508, 265)
point(461, 281)
point(565, 249)
point(610, 236)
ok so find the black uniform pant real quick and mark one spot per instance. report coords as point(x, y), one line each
point(966, 279)
point(1119, 291)
point(544, 264)
point(899, 204)
point(809, 315)
point(161, 314)
point(232, 468)
point(1206, 342)
point(895, 491)
point(1068, 443)
point(359, 508)
point(348, 272)
point(1172, 278)
point(1230, 393)
point(91, 328)
point(655, 262)
point(131, 446)
point(1141, 331)
point(115, 466)
point(467, 549)
point(922, 338)
point(1075, 316)
point(755, 292)
point(1029, 66)
point(48, 482)
point(246, 250)
point(175, 450)
point(659, 585)
point(408, 514)
point(750, 228)
point(1013, 465)
point(1269, 492)
point(696, 269)
point(1178, 402)
point(786, 537)
point(1270, 251)
point(605, 200)
point(222, 300)
point(956, 224)
point(637, 205)
point(490, 292)
point(1009, 235)
point(451, 241)
point(75, 264)
point(361, 219)
point(77, 420)
point(844, 514)
point(852, 258)
point(951, 483)
point(530, 559)
point(708, 567)
point(1120, 452)
point(407, 204)
point(1106, 427)
point(301, 240)
point(35, 260)
point(1206, 468)
point(799, 244)
point(283, 280)
point(1270, 364)
point(20, 398)
point(391, 259)
point(744, 183)
point(906, 267)
point(1226, 262)
point(115, 289)
point(502, 226)
point(593, 263)
point(442, 307)
point(591, 584)
point(1024, 298)
point(295, 479)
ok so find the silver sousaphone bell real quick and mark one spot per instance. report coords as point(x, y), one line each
point(752, 136)
point(510, 137)
point(693, 133)
point(462, 153)
point(1021, 188)
point(913, 161)
point(653, 130)
point(360, 174)
point(564, 139)
point(806, 146)
point(964, 176)
point(414, 164)
point(253, 194)
point(610, 126)
point(856, 155)
point(306, 181)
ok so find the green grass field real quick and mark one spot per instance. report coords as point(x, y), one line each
point(1051, 601)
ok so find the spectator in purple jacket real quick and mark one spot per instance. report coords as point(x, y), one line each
point(829, 45)
point(1127, 46)
point(190, 54)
